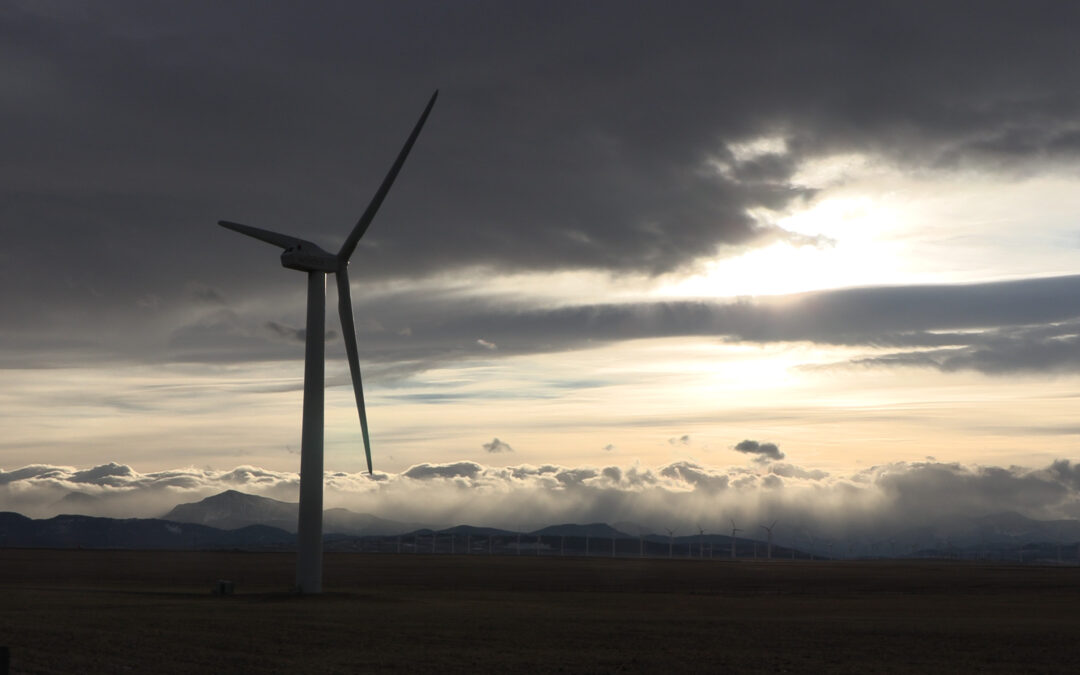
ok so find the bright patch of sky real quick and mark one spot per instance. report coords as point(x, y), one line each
point(880, 226)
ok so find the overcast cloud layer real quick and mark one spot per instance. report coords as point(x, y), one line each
point(608, 137)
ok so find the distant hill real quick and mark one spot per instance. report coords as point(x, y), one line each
point(133, 533)
point(470, 531)
point(232, 509)
point(574, 530)
point(77, 500)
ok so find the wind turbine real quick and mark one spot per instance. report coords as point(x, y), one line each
point(670, 541)
point(701, 542)
point(733, 531)
point(305, 256)
point(769, 531)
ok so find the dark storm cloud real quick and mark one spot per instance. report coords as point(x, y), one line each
point(917, 489)
point(761, 452)
point(567, 136)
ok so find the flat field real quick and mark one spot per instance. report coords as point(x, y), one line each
point(152, 612)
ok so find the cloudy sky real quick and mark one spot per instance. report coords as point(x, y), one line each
point(710, 258)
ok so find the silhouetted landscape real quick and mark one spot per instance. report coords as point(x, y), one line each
point(234, 520)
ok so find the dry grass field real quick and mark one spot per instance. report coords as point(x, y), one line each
point(152, 612)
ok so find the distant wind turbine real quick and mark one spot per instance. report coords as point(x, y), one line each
point(769, 531)
point(305, 256)
point(670, 541)
point(733, 531)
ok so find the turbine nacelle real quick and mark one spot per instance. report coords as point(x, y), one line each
point(307, 257)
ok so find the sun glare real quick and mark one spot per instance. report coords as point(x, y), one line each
point(850, 248)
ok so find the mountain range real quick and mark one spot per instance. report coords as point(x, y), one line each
point(231, 510)
point(235, 520)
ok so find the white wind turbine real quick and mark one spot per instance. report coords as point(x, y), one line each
point(769, 531)
point(670, 541)
point(305, 256)
point(733, 531)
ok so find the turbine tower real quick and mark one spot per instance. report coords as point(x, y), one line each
point(733, 531)
point(305, 256)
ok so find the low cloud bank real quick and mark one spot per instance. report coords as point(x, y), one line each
point(873, 502)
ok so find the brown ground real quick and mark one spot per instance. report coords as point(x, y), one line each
point(152, 612)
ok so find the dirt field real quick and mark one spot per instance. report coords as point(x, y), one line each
point(152, 612)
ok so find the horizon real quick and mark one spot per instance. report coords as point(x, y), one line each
point(646, 263)
point(1005, 537)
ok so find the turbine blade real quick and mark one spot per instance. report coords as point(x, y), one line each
point(282, 240)
point(365, 220)
point(348, 331)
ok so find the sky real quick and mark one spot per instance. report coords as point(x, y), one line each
point(671, 263)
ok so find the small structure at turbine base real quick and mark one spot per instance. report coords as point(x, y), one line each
point(224, 587)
